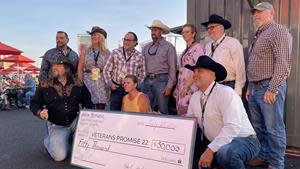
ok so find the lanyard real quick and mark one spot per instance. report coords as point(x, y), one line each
point(203, 106)
point(213, 49)
point(96, 57)
point(185, 51)
point(127, 59)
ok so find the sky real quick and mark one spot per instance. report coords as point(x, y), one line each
point(31, 25)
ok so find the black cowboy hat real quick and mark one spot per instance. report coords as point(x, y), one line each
point(99, 30)
point(65, 61)
point(217, 19)
point(206, 62)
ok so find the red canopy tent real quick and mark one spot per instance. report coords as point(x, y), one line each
point(11, 70)
point(31, 68)
point(22, 64)
point(17, 59)
point(8, 50)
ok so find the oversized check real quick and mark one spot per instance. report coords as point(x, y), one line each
point(116, 140)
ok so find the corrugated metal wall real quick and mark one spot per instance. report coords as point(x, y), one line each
point(238, 12)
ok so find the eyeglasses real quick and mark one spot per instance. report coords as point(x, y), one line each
point(212, 27)
point(128, 40)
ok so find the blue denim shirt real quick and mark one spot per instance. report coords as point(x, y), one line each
point(50, 57)
point(32, 84)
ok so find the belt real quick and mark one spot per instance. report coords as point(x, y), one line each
point(89, 71)
point(153, 75)
point(260, 81)
point(227, 82)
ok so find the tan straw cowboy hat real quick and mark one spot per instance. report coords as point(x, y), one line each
point(158, 24)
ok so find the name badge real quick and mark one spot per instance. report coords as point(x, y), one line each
point(95, 73)
point(123, 73)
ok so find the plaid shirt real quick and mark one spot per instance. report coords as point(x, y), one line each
point(270, 56)
point(116, 62)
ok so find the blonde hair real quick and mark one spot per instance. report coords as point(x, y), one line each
point(101, 46)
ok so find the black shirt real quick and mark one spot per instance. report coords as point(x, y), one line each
point(61, 101)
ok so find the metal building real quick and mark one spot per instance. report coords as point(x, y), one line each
point(238, 12)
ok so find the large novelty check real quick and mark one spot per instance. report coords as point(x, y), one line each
point(115, 140)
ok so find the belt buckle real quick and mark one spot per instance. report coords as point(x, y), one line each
point(152, 75)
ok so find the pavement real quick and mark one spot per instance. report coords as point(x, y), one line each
point(21, 137)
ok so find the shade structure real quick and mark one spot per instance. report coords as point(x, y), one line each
point(11, 70)
point(22, 64)
point(17, 59)
point(31, 68)
point(8, 50)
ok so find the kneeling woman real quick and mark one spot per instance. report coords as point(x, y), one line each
point(134, 101)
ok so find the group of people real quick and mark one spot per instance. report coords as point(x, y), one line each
point(209, 87)
point(16, 91)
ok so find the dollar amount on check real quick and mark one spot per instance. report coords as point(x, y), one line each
point(115, 140)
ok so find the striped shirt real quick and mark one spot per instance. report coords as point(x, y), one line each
point(270, 56)
point(134, 65)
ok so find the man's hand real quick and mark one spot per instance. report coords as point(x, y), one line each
point(114, 87)
point(206, 159)
point(269, 97)
point(43, 114)
point(166, 91)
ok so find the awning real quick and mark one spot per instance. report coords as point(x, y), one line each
point(8, 50)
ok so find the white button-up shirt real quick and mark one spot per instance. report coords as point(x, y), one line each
point(229, 53)
point(224, 118)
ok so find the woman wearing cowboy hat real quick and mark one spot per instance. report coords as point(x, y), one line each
point(91, 65)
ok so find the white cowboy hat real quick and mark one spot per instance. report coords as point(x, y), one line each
point(158, 24)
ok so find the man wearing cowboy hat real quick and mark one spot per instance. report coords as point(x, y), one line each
point(225, 132)
point(227, 51)
point(269, 66)
point(161, 59)
point(61, 50)
point(57, 102)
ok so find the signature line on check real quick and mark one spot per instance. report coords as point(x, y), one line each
point(94, 163)
point(171, 128)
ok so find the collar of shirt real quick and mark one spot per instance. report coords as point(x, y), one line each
point(161, 41)
point(57, 82)
point(265, 26)
point(206, 92)
point(62, 49)
point(219, 40)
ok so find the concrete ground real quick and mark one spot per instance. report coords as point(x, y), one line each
point(21, 136)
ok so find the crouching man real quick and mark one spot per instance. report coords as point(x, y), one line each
point(57, 102)
point(226, 137)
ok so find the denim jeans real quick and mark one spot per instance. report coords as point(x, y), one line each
point(153, 88)
point(268, 122)
point(25, 97)
point(57, 140)
point(230, 156)
point(116, 97)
